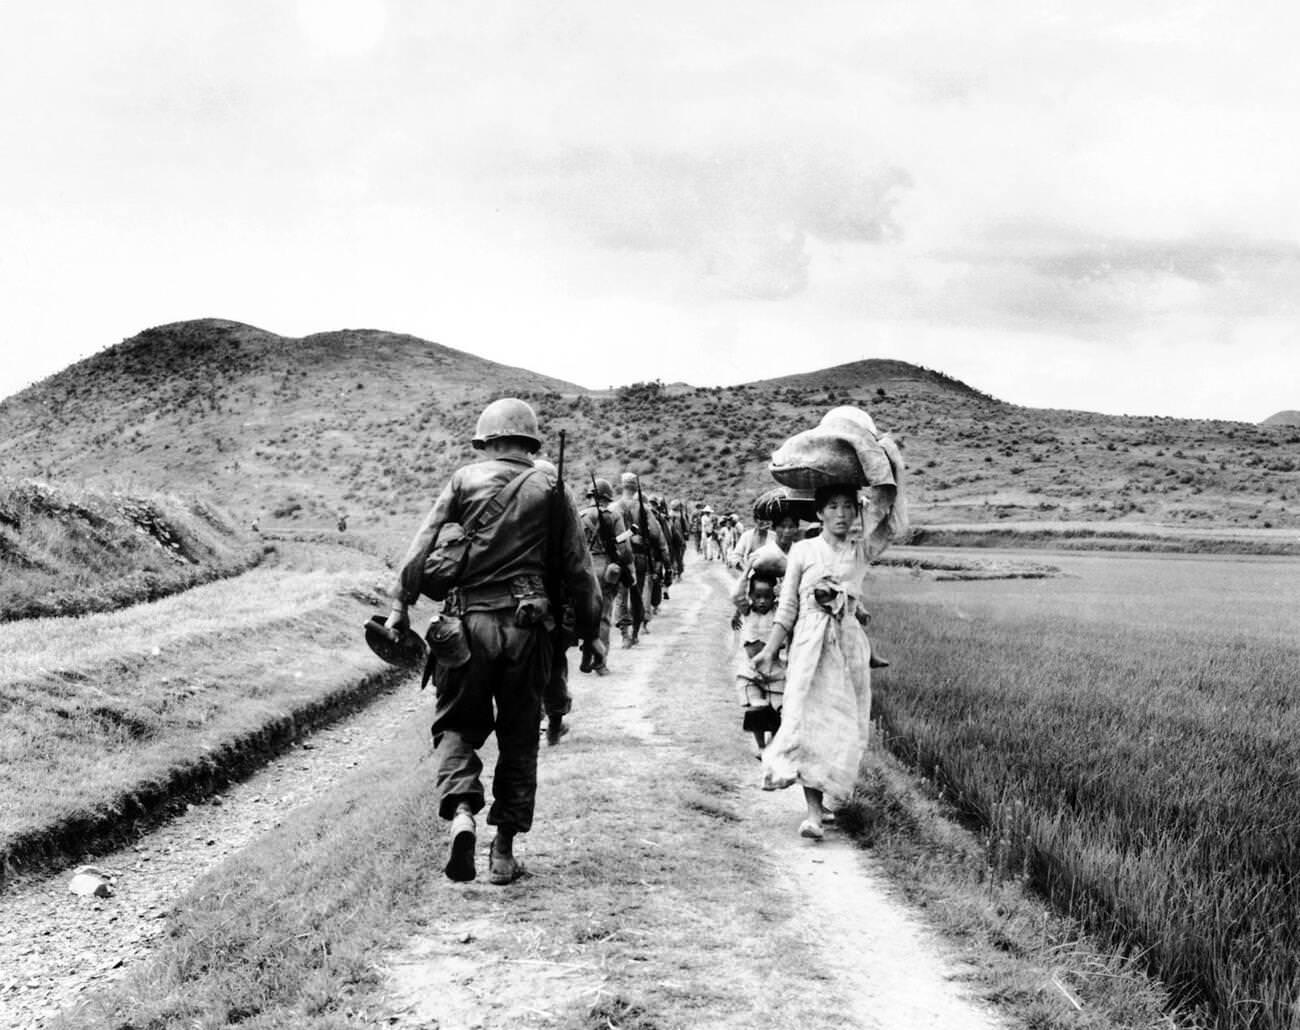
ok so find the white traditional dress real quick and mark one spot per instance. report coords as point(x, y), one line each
point(826, 716)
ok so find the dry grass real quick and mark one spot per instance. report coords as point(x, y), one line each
point(98, 714)
point(69, 551)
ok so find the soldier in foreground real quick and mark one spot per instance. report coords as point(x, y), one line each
point(516, 529)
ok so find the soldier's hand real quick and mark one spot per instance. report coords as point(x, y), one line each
point(397, 623)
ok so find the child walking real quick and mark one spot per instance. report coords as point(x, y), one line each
point(761, 694)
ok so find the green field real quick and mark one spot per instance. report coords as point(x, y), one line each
point(1125, 735)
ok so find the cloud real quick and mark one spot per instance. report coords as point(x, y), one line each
point(741, 215)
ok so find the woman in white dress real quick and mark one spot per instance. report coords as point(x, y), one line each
point(826, 718)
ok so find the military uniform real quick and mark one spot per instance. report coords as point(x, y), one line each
point(612, 568)
point(645, 550)
point(500, 597)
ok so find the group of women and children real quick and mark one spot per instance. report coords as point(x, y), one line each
point(804, 662)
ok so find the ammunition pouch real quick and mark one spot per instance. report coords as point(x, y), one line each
point(532, 606)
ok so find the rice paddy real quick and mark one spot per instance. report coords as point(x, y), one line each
point(1126, 737)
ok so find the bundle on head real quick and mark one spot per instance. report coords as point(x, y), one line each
point(846, 448)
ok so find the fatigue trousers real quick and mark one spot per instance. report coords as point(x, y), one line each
point(623, 610)
point(499, 689)
point(608, 597)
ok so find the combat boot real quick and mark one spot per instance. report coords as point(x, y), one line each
point(460, 858)
point(503, 867)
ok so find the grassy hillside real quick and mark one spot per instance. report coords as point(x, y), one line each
point(68, 552)
point(295, 431)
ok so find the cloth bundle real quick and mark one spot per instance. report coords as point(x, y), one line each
point(846, 448)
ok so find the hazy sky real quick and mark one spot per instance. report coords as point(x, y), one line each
point(1086, 205)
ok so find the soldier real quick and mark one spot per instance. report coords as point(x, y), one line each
point(648, 545)
point(680, 530)
point(610, 544)
point(557, 702)
point(518, 532)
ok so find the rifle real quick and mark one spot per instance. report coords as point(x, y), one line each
point(554, 562)
point(638, 599)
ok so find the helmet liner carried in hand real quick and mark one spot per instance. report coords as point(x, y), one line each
point(407, 651)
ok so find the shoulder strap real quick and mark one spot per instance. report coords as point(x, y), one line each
point(493, 509)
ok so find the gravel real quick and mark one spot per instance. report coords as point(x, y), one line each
point(56, 947)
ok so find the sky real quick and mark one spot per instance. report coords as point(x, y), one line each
point(1065, 205)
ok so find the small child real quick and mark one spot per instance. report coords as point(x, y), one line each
point(761, 695)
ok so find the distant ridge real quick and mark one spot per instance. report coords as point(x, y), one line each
point(361, 428)
point(870, 374)
point(1283, 418)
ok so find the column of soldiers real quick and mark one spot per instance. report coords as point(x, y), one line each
point(638, 544)
point(533, 577)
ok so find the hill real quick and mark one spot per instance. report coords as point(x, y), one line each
point(1283, 418)
point(294, 432)
point(872, 376)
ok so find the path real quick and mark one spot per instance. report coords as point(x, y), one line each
point(665, 889)
point(658, 746)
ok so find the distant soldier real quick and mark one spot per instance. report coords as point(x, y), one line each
point(648, 545)
point(679, 530)
point(660, 569)
point(610, 544)
point(505, 508)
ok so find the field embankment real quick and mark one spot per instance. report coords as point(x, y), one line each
point(1128, 739)
point(66, 551)
point(107, 721)
point(1077, 536)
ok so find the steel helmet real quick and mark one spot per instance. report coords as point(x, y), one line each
point(397, 646)
point(508, 416)
point(602, 491)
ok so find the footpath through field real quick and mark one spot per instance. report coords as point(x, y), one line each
point(665, 888)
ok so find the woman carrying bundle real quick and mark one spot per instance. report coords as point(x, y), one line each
point(826, 716)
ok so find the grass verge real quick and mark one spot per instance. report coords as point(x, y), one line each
point(1077, 538)
point(108, 720)
point(66, 552)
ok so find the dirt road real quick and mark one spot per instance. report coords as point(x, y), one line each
point(664, 888)
point(667, 889)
